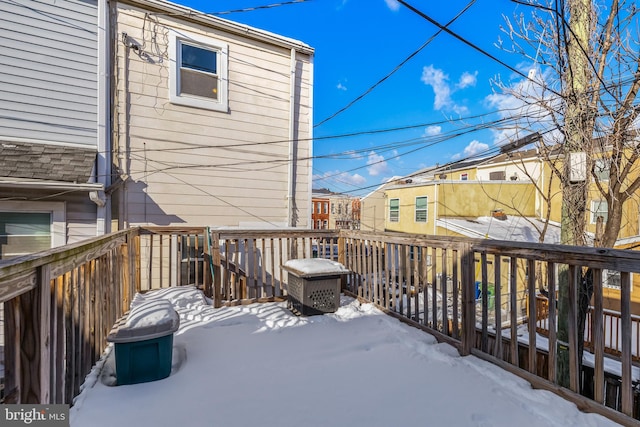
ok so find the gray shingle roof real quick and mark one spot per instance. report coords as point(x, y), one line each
point(50, 162)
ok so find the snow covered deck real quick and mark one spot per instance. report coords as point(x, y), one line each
point(260, 365)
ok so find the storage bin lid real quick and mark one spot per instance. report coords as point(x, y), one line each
point(152, 319)
point(315, 267)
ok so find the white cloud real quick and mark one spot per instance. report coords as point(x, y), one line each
point(433, 130)
point(437, 79)
point(377, 164)
point(475, 147)
point(467, 80)
point(341, 86)
point(355, 179)
point(523, 100)
point(392, 4)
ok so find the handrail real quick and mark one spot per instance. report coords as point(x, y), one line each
point(612, 321)
point(464, 291)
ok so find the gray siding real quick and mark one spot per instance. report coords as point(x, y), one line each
point(48, 70)
point(81, 218)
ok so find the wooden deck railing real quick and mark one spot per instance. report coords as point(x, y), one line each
point(612, 323)
point(465, 292)
point(59, 306)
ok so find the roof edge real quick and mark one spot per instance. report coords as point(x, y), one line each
point(193, 15)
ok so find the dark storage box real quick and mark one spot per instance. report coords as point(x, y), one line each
point(143, 342)
point(314, 285)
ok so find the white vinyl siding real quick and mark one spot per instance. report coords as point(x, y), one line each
point(48, 71)
point(195, 166)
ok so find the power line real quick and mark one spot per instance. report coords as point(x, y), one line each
point(189, 146)
point(472, 45)
point(254, 8)
point(407, 59)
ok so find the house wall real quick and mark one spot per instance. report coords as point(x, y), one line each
point(466, 199)
point(373, 211)
point(318, 213)
point(49, 96)
point(630, 213)
point(521, 170)
point(474, 199)
point(194, 166)
point(48, 71)
point(75, 213)
point(407, 200)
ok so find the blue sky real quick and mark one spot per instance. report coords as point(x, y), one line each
point(358, 43)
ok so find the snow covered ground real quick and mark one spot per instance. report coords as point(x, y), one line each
point(260, 365)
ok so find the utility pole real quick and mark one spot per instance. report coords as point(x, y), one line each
point(578, 136)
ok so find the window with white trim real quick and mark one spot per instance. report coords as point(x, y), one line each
point(28, 227)
point(198, 72)
point(599, 208)
point(421, 209)
point(394, 210)
point(611, 279)
point(464, 176)
point(601, 168)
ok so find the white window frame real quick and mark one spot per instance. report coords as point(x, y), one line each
point(595, 204)
point(605, 280)
point(464, 176)
point(397, 217)
point(222, 49)
point(426, 210)
point(601, 169)
point(56, 209)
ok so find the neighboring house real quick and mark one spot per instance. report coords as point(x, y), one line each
point(475, 199)
point(597, 206)
point(335, 210)
point(341, 211)
point(213, 120)
point(320, 209)
point(54, 124)
point(504, 198)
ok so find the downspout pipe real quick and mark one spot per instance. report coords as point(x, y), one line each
point(291, 222)
point(103, 158)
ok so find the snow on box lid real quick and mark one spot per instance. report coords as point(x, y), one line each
point(313, 267)
point(153, 319)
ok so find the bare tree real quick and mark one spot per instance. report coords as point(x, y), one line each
point(582, 89)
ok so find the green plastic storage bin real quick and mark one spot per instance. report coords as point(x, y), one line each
point(143, 342)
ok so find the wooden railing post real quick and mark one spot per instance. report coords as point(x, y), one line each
point(342, 257)
point(217, 269)
point(468, 299)
point(27, 335)
point(625, 314)
point(137, 266)
point(44, 289)
point(12, 351)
